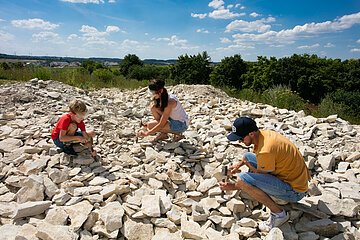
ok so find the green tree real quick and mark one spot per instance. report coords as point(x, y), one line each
point(228, 72)
point(148, 71)
point(192, 69)
point(91, 65)
point(128, 62)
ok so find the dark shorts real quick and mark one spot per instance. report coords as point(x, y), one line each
point(62, 145)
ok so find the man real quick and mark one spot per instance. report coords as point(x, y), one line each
point(276, 168)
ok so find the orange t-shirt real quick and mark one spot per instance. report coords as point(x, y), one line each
point(280, 157)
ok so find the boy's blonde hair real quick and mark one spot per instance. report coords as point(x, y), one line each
point(77, 106)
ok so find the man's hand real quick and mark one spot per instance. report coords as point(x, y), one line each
point(224, 186)
point(235, 168)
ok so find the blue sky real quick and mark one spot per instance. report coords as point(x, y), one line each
point(164, 29)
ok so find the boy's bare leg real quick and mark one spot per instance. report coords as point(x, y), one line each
point(178, 136)
point(89, 143)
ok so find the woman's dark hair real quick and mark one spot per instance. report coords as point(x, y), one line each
point(157, 85)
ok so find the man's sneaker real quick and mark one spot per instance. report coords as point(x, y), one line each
point(273, 221)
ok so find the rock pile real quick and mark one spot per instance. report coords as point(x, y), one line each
point(168, 190)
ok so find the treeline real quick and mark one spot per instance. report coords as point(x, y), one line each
point(319, 86)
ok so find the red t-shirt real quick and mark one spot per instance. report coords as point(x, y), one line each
point(63, 124)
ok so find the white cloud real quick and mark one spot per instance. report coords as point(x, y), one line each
point(199, 15)
point(4, 36)
point(46, 36)
point(220, 12)
point(329, 45)
point(355, 50)
point(72, 37)
point(306, 30)
point(225, 40)
point(254, 14)
point(202, 30)
point(112, 1)
point(110, 29)
point(2, 20)
point(237, 5)
point(93, 36)
point(176, 42)
point(91, 31)
point(34, 23)
point(277, 45)
point(235, 47)
point(129, 43)
point(309, 46)
point(84, 1)
point(224, 14)
point(358, 41)
point(254, 26)
point(217, 4)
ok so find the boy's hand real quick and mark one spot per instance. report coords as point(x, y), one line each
point(81, 139)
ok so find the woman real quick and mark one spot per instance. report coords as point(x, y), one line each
point(169, 115)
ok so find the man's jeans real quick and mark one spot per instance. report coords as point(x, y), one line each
point(268, 183)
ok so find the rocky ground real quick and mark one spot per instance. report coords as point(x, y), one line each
point(136, 190)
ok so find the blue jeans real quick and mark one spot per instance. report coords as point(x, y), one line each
point(269, 183)
point(177, 126)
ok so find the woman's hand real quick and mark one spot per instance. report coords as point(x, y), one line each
point(142, 133)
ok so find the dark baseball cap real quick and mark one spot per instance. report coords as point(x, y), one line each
point(241, 127)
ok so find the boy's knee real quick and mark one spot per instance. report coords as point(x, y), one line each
point(72, 127)
point(92, 134)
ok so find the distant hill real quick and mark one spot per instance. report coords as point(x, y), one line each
point(74, 59)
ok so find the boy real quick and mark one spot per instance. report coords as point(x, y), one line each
point(65, 132)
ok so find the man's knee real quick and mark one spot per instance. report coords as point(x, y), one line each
point(242, 184)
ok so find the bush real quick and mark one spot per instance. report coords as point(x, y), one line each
point(329, 106)
point(283, 97)
point(250, 95)
point(42, 73)
point(104, 75)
